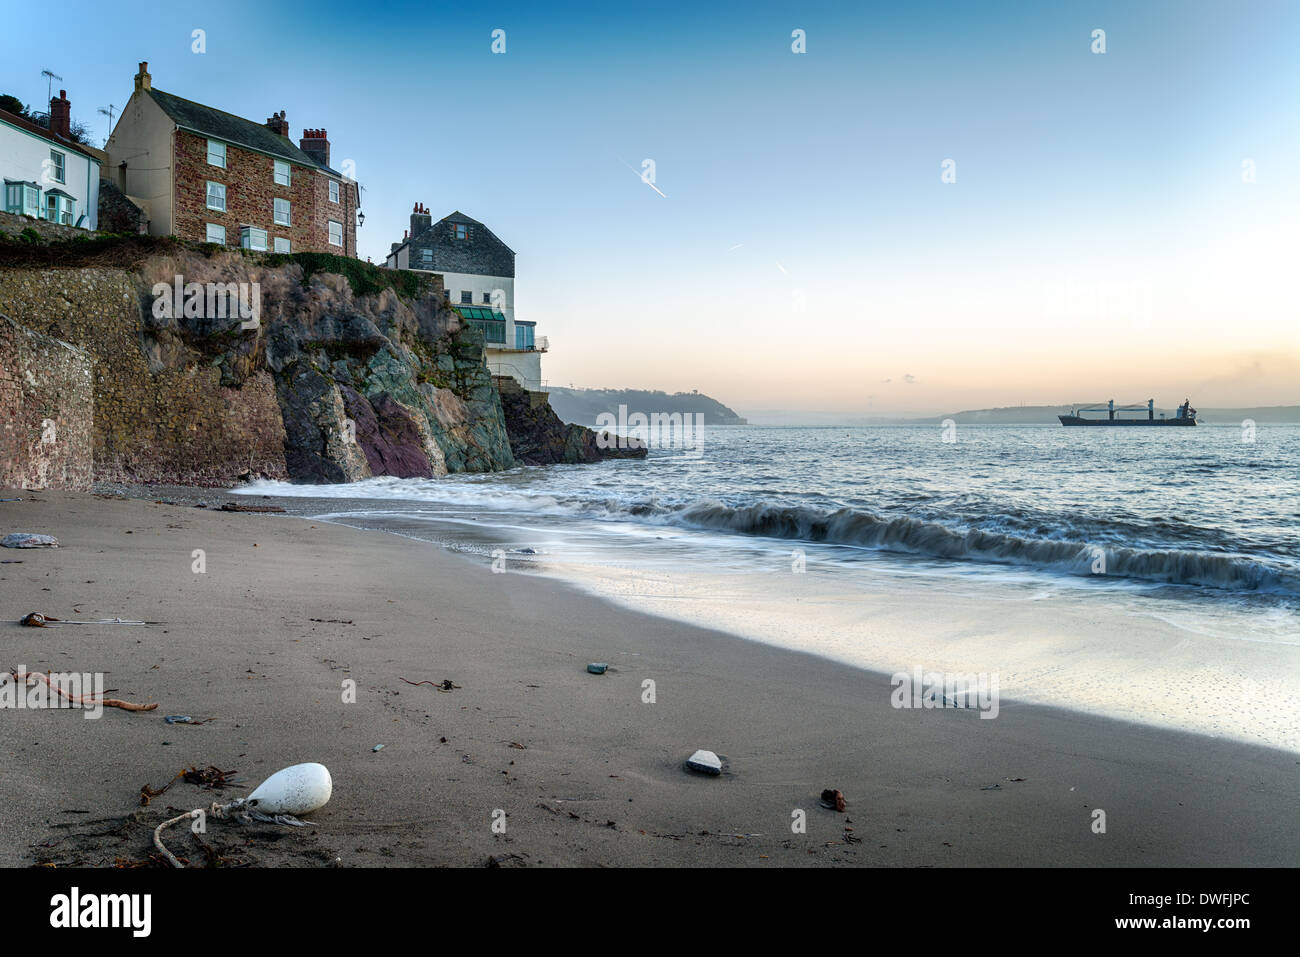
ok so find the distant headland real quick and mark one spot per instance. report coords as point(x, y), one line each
point(582, 406)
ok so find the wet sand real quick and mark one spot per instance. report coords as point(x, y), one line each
point(585, 771)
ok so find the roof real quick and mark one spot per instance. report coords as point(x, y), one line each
point(30, 127)
point(482, 253)
point(221, 125)
point(480, 312)
point(459, 217)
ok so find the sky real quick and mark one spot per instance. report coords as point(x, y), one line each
point(1118, 224)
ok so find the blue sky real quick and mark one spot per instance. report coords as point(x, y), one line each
point(806, 254)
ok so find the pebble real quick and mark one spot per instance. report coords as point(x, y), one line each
point(706, 762)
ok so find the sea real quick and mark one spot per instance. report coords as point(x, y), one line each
point(1146, 574)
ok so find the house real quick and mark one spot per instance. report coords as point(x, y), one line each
point(478, 273)
point(47, 174)
point(207, 175)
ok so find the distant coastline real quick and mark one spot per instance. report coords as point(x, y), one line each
point(1022, 415)
point(582, 406)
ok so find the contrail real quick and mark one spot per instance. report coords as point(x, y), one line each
point(643, 179)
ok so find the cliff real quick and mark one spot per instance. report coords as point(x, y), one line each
point(539, 437)
point(341, 375)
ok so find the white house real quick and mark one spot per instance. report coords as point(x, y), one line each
point(47, 174)
point(478, 273)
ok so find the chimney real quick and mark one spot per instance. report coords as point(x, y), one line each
point(61, 115)
point(278, 125)
point(420, 219)
point(316, 144)
point(143, 81)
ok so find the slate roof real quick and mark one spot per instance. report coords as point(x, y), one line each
point(43, 133)
point(220, 125)
point(482, 254)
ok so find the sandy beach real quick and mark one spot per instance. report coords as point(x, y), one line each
point(587, 773)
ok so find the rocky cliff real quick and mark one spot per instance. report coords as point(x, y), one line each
point(211, 364)
point(539, 437)
point(330, 382)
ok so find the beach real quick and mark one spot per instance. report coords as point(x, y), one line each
point(587, 771)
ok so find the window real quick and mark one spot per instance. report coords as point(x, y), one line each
point(216, 196)
point(523, 336)
point(60, 208)
point(466, 298)
point(336, 233)
point(426, 257)
point(334, 191)
point(462, 231)
point(56, 166)
point(282, 212)
point(487, 322)
point(281, 244)
point(281, 173)
point(250, 237)
point(23, 199)
point(216, 154)
point(487, 298)
point(216, 234)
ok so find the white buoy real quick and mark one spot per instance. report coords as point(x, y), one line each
point(300, 789)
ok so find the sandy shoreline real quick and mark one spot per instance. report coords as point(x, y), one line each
point(598, 779)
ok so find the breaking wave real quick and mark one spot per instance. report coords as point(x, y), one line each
point(853, 527)
point(1074, 545)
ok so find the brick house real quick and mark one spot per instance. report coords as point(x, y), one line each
point(478, 274)
point(206, 175)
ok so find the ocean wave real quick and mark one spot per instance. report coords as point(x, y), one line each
point(862, 529)
point(1074, 545)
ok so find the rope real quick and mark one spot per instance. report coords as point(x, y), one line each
point(216, 811)
point(157, 835)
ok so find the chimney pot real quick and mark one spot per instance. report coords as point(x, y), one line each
point(61, 115)
point(315, 145)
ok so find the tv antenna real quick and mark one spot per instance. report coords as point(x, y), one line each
point(109, 111)
point(50, 77)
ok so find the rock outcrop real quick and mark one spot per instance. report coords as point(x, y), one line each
point(337, 378)
point(539, 437)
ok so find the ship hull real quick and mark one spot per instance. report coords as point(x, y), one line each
point(1079, 420)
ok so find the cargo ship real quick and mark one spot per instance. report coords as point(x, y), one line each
point(1186, 415)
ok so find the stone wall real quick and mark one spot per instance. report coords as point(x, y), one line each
point(13, 225)
point(117, 214)
point(327, 386)
point(154, 421)
point(46, 411)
